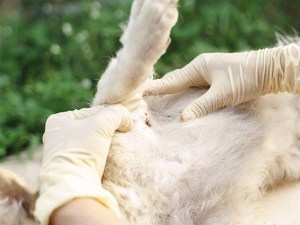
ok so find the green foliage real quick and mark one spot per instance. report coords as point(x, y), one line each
point(228, 25)
point(53, 52)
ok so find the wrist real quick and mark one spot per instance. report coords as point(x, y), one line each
point(84, 211)
point(63, 180)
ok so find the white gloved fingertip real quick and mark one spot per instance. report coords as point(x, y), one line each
point(126, 122)
point(126, 125)
point(187, 115)
point(151, 88)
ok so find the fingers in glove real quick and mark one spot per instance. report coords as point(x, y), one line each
point(210, 102)
point(120, 116)
point(172, 82)
point(192, 75)
point(115, 117)
point(86, 112)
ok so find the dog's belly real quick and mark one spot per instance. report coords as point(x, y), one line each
point(202, 171)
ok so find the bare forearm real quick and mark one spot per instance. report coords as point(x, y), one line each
point(84, 211)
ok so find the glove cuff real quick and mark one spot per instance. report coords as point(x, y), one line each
point(286, 74)
point(61, 183)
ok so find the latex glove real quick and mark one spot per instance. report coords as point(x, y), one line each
point(233, 78)
point(76, 145)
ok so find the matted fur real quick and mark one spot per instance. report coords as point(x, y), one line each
point(210, 171)
point(16, 201)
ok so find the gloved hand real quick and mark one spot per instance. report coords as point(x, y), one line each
point(233, 78)
point(76, 145)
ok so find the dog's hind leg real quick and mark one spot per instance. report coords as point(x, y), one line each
point(145, 40)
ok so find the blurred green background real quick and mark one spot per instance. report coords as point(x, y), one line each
point(53, 52)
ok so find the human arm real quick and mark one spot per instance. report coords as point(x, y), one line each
point(233, 78)
point(76, 145)
point(84, 211)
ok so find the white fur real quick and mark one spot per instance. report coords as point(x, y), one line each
point(144, 41)
point(202, 172)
